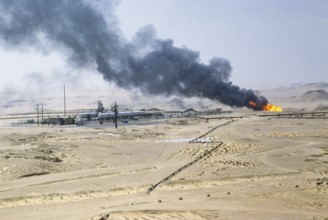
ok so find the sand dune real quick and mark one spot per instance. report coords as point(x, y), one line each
point(264, 169)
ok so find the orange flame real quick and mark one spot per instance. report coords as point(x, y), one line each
point(272, 108)
point(251, 103)
point(267, 107)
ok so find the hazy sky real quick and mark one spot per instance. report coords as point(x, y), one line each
point(269, 43)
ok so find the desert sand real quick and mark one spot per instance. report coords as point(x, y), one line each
point(253, 168)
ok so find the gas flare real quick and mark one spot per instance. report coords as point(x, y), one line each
point(253, 104)
point(266, 107)
point(272, 108)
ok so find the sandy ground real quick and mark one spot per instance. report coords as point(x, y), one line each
point(264, 169)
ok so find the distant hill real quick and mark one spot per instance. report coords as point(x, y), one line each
point(315, 95)
point(318, 84)
point(321, 108)
point(154, 110)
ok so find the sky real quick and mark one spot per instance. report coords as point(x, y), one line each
point(269, 43)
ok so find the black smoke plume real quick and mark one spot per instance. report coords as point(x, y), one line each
point(155, 66)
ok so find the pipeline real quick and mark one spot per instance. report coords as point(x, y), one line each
point(104, 217)
point(184, 167)
point(198, 139)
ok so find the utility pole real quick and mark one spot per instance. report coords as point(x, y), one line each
point(64, 101)
point(115, 110)
point(42, 121)
point(37, 114)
